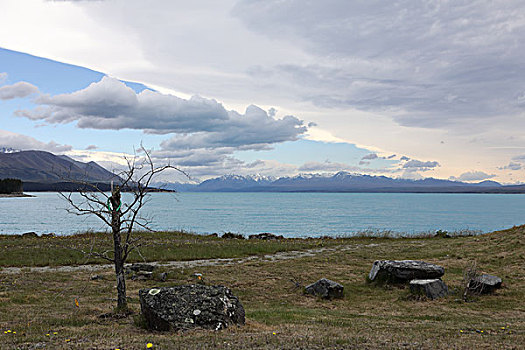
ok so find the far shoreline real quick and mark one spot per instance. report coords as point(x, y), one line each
point(14, 195)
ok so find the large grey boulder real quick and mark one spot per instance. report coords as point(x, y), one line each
point(190, 306)
point(433, 288)
point(402, 271)
point(326, 289)
point(484, 284)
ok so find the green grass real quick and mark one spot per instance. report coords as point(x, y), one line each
point(157, 246)
point(278, 314)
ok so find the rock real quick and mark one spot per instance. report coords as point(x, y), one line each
point(265, 236)
point(163, 276)
point(47, 235)
point(142, 276)
point(442, 234)
point(432, 288)
point(231, 235)
point(96, 277)
point(484, 284)
point(140, 267)
point(402, 271)
point(29, 235)
point(190, 306)
point(325, 288)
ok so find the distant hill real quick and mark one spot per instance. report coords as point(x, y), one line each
point(39, 170)
point(341, 182)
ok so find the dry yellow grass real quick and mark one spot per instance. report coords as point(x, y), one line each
point(280, 315)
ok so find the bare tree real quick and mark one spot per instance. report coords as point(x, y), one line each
point(121, 217)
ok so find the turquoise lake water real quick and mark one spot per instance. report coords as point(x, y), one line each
point(289, 214)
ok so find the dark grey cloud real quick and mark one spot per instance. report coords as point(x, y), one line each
point(473, 176)
point(420, 165)
point(512, 166)
point(520, 158)
point(17, 90)
point(198, 122)
point(370, 156)
point(429, 64)
point(91, 147)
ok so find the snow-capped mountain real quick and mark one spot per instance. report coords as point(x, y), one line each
point(339, 182)
point(8, 150)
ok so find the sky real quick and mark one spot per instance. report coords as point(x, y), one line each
point(406, 89)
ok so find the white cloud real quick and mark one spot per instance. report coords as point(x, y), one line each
point(420, 165)
point(22, 142)
point(17, 90)
point(473, 176)
point(199, 122)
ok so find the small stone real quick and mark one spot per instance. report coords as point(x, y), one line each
point(197, 312)
point(163, 277)
point(142, 276)
point(29, 235)
point(326, 289)
point(231, 235)
point(96, 277)
point(265, 236)
point(432, 288)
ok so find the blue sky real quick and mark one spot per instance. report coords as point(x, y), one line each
point(402, 89)
point(56, 78)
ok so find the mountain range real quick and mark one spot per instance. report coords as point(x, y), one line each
point(44, 171)
point(340, 182)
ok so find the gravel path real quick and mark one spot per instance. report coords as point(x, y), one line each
point(293, 254)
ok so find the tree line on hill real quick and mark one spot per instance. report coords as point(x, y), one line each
point(8, 186)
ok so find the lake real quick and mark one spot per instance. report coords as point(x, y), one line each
point(289, 214)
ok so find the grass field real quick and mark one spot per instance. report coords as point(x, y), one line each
point(40, 307)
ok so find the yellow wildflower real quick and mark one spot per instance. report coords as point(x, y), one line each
point(149, 345)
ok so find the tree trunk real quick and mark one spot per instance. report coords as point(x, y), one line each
point(118, 258)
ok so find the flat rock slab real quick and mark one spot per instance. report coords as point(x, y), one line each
point(140, 267)
point(432, 288)
point(484, 284)
point(402, 271)
point(326, 289)
point(190, 306)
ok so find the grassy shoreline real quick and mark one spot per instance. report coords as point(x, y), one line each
point(278, 314)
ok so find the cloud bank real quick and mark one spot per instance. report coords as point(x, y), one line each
point(198, 122)
point(22, 142)
point(17, 90)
